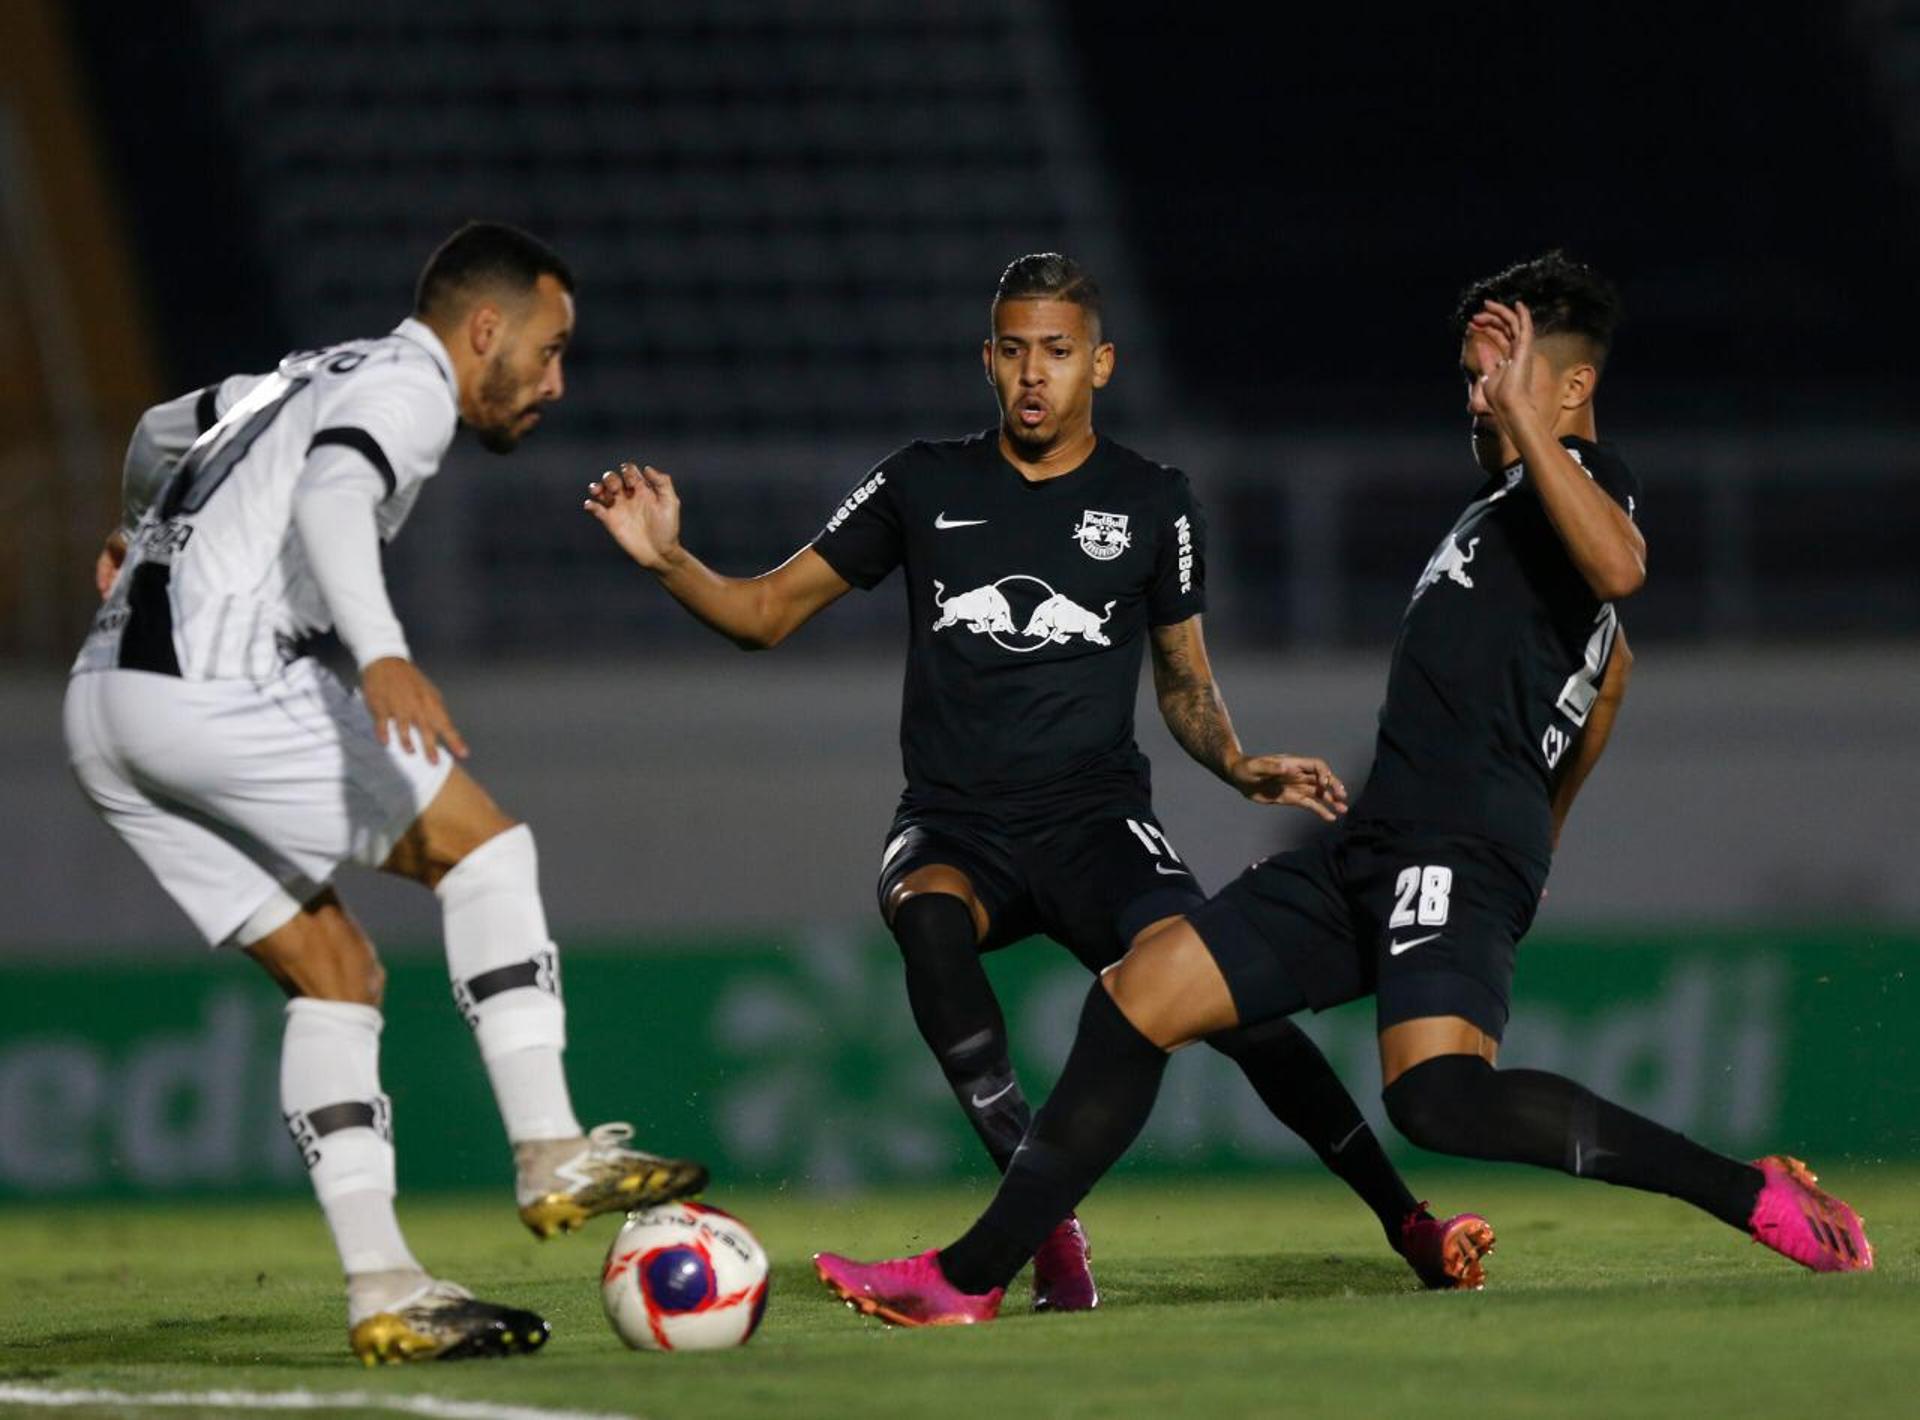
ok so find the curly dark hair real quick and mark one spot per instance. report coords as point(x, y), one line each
point(1564, 296)
point(1049, 276)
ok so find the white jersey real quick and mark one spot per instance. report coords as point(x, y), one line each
point(216, 583)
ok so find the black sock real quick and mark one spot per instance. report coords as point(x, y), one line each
point(1105, 1094)
point(959, 1018)
point(1294, 1080)
point(1459, 1104)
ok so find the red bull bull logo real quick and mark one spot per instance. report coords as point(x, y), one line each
point(1450, 561)
point(1021, 614)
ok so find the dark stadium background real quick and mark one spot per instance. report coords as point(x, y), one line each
point(786, 219)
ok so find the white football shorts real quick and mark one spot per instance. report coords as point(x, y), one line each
point(243, 797)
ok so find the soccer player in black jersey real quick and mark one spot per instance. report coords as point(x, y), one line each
point(1503, 686)
point(1041, 563)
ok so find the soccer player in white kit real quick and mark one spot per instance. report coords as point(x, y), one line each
point(244, 771)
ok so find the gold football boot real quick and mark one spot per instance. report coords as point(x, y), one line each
point(564, 1182)
point(443, 1322)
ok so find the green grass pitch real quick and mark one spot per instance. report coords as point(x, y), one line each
point(1222, 1299)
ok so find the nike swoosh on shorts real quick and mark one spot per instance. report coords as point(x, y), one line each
point(1395, 948)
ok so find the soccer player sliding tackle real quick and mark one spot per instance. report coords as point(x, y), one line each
point(243, 771)
point(1042, 564)
point(1505, 679)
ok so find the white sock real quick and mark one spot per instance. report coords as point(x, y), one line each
point(506, 982)
point(342, 1125)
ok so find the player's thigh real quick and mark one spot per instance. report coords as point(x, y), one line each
point(1445, 915)
point(291, 762)
point(1171, 988)
point(1099, 885)
point(321, 952)
point(926, 854)
point(222, 881)
point(1410, 1043)
point(461, 817)
point(1282, 934)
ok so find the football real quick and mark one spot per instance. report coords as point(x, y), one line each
point(684, 1277)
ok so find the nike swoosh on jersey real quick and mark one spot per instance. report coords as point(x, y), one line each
point(1395, 948)
point(1000, 1093)
point(1165, 871)
point(943, 522)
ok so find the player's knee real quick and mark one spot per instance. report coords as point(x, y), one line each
point(1170, 989)
point(328, 971)
point(938, 898)
point(1437, 1104)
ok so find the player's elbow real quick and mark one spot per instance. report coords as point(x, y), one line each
point(1619, 580)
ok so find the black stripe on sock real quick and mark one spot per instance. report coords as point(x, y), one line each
point(348, 1114)
point(502, 978)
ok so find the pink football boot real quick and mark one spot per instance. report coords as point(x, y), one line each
point(1446, 1255)
point(1063, 1271)
point(1805, 1223)
point(907, 1291)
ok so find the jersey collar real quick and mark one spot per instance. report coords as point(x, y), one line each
point(421, 334)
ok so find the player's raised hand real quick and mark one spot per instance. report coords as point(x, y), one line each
point(404, 703)
point(639, 507)
point(1293, 780)
point(1507, 378)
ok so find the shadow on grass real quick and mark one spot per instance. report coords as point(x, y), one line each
point(1161, 1281)
point(228, 1339)
point(1258, 1277)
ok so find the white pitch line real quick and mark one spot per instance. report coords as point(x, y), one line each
point(429, 1405)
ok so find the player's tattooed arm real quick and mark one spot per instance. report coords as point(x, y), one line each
point(640, 510)
point(1606, 547)
point(1593, 740)
point(1196, 714)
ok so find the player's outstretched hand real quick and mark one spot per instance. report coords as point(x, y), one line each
point(404, 703)
point(640, 509)
point(106, 566)
point(1295, 780)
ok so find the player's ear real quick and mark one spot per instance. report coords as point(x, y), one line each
point(986, 357)
point(485, 322)
point(1103, 358)
point(1577, 385)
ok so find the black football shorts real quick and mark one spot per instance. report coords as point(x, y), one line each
point(1090, 884)
point(1425, 921)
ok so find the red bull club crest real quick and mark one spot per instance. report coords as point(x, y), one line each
point(1103, 536)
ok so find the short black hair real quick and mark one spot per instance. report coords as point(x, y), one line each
point(1049, 276)
point(1564, 296)
point(483, 254)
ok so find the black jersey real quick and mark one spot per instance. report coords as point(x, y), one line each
point(1028, 605)
point(1498, 663)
